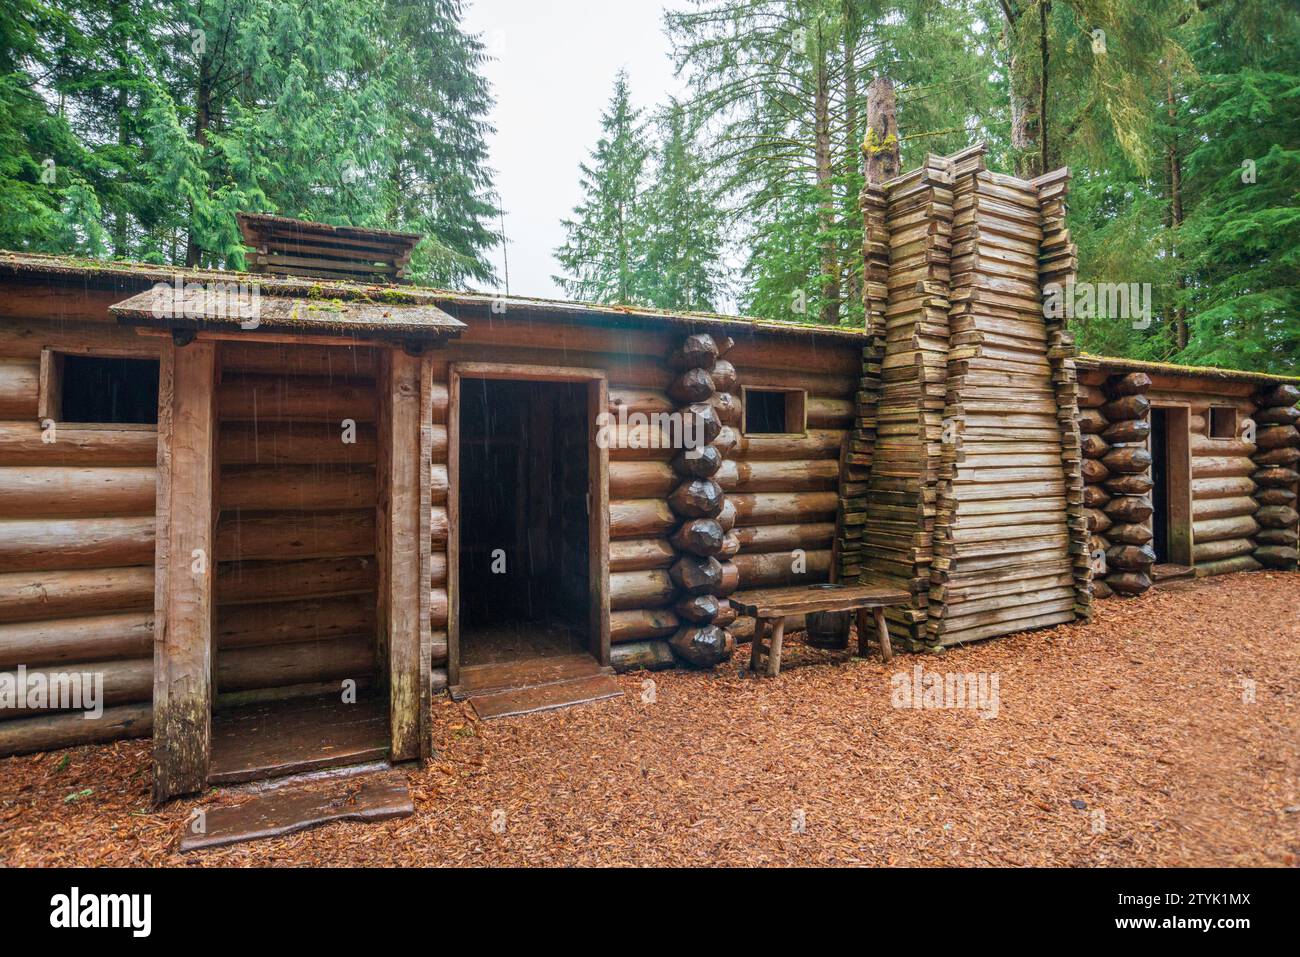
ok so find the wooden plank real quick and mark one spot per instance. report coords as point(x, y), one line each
point(288, 809)
point(547, 697)
point(184, 570)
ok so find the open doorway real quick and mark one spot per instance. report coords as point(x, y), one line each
point(526, 558)
point(1171, 516)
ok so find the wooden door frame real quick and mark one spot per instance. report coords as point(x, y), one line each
point(1178, 475)
point(597, 496)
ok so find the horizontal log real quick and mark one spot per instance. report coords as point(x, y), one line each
point(1226, 566)
point(1221, 488)
point(300, 359)
point(91, 638)
point(1276, 476)
point(1130, 534)
point(641, 480)
point(251, 581)
point(829, 413)
point(33, 596)
point(269, 666)
point(1277, 516)
point(254, 398)
point(1278, 536)
point(1219, 529)
point(779, 568)
point(773, 538)
point(640, 589)
point(1275, 496)
point(797, 476)
point(640, 623)
point(640, 518)
point(1221, 466)
point(24, 443)
point(121, 682)
point(1128, 460)
point(1131, 383)
point(783, 508)
point(1276, 556)
point(50, 732)
point(1284, 393)
point(1128, 583)
point(641, 655)
point(19, 388)
point(634, 554)
point(311, 619)
point(1223, 507)
point(1224, 548)
point(639, 400)
point(57, 492)
point(59, 544)
point(817, 443)
point(1277, 437)
point(1092, 422)
point(297, 488)
point(298, 443)
point(289, 536)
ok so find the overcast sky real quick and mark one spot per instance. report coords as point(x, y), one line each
point(552, 74)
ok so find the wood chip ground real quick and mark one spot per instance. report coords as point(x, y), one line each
point(1143, 715)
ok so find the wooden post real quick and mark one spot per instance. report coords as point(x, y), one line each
point(183, 569)
point(408, 397)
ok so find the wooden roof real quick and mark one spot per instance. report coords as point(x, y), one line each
point(235, 308)
point(280, 246)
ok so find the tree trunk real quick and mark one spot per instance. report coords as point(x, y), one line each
point(202, 121)
point(830, 259)
point(1026, 99)
point(1174, 168)
point(882, 147)
point(853, 265)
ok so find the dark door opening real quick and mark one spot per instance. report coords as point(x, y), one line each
point(524, 577)
point(1160, 485)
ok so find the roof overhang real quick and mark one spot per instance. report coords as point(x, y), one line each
point(242, 309)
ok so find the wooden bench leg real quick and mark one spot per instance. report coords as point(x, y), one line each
point(864, 624)
point(756, 648)
point(886, 651)
point(774, 647)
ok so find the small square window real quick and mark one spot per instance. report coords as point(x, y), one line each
point(99, 390)
point(774, 411)
point(1223, 422)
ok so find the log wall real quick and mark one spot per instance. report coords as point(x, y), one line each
point(296, 541)
point(1229, 477)
point(76, 540)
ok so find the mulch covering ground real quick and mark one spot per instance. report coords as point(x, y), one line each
point(1144, 715)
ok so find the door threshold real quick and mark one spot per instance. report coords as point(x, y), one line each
point(525, 673)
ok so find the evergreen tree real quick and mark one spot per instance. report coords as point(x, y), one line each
point(601, 255)
point(680, 264)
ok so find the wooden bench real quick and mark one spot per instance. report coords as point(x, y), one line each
point(771, 606)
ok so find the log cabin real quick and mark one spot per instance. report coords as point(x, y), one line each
point(231, 496)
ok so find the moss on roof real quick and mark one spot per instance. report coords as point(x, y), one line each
point(1087, 360)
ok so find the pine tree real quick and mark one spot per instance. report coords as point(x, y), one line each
point(680, 265)
point(602, 248)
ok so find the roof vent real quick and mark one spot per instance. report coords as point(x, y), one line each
point(294, 247)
